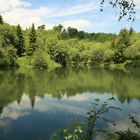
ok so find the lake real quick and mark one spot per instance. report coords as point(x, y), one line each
point(35, 104)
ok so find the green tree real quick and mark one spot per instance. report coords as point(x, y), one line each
point(20, 43)
point(8, 35)
point(123, 40)
point(58, 28)
point(73, 32)
point(81, 35)
point(64, 34)
point(1, 20)
point(119, 56)
point(131, 31)
point(42, 27)
point(33, 41)
point(122, 43)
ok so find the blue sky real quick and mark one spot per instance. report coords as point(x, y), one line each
point(82, 14)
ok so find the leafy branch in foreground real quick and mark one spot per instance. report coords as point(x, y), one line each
point(126, 8)
point(97, 113)
point(81, 131)
point(73, 132)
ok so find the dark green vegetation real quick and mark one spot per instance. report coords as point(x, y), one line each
point(40, 48)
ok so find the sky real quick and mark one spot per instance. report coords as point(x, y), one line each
point(81, 14)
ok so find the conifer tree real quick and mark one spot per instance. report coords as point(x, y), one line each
point(131, 31)
point(1, 20)
point(33, 40)
point(20, 44)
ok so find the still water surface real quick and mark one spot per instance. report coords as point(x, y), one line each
point(35, 104)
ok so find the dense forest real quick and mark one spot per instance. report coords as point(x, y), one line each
point(37, 47)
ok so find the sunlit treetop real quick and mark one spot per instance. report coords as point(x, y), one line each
point(126, 8)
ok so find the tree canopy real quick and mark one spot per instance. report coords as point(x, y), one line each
point(40, 48)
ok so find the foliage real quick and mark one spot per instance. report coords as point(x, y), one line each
point(58, 28)
point(102, 37)
point(42, 27)
point(58, 52)
point(123, 40)
point(96, 56)
point(7, 35)
point(7, 57)
point(68, 47)
point(78, 131)
point(81, 35)
point(64, 34)
point(118, 56)
point(73, 132)
point(122, 43)
point(20, 41)
point(33, 41)
point(73, 32)
point(108, 55)
point(1, 20)
point(126, 8)
point(41, 60)
point(97, 113)
point(133, 52)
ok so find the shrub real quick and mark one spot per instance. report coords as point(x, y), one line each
point(41, 60)
point(59, 52)
point(108, 55)
point(8, 57)
point(96, 56)
point(133, 52)
point(119, 56)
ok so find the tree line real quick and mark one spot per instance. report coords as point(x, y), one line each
point(41, 48)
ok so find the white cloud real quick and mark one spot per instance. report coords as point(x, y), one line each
point(21, 12)
point(78, 9)
point(17, 12)
point(137, 15)
point(10, 4)
point(137, 3)
point(13, 111)
point(79, 24)
point(25, 17)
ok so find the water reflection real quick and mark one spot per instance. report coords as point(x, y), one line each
point(14, 84)
point(34, 104)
